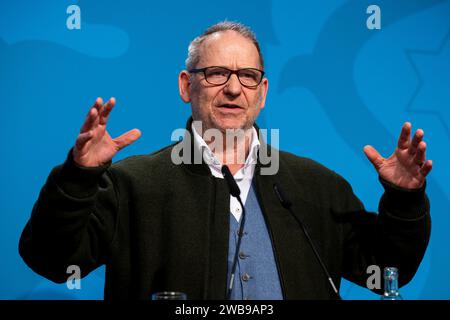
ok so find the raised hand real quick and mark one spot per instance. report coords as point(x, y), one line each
point(407, 167)
point(94, 146)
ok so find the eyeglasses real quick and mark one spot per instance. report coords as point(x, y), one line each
point(248, 77)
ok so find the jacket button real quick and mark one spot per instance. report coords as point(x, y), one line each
point(242, 255)
point(245, 277)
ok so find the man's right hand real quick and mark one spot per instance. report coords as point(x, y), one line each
point(94, 146)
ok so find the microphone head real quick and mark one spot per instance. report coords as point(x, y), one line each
point(232, 185)
point(285, 202)
point(225, 170)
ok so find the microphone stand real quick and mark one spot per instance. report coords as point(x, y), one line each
point(286, 203)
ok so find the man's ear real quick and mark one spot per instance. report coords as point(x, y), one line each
point(265, 88)
point(184, 86)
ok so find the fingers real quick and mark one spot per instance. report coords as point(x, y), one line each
point(105, 111)
point(98, 114)
point(127, 138)
point(403, 139)
point(92, 116)
point(90, 121)
point(417, 149)
point(374, 157)
point(83, 138)
point(418, 137)
point(419, 157)
point(426, 168)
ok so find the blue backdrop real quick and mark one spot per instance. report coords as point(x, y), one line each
point(334, 86)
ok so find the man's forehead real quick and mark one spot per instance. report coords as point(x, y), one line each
point(229, 45)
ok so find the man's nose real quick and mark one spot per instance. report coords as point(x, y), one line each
point(233, 87)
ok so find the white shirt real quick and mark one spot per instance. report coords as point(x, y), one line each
point(243, 177)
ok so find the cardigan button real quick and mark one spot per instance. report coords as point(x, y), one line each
point(237, 232)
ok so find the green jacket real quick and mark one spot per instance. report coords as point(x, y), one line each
point(158, 226)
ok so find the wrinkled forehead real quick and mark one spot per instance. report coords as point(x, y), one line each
point(228, 49)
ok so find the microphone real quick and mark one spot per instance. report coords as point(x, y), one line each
point(232, 185)
point(235, 192)
point(287, 204)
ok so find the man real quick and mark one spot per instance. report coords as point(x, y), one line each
point(164, 226)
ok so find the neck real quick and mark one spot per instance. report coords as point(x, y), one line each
point(234, 148)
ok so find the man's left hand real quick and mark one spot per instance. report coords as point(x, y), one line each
point(407, 166)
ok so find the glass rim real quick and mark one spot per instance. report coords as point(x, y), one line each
point(230, 72)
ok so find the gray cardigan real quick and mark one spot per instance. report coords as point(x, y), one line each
point(158, 226)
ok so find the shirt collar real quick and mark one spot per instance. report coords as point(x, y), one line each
point(216, 166)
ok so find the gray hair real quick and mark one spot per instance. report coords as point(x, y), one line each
point(194, 47)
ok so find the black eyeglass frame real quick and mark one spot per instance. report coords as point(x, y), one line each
point(236, 72)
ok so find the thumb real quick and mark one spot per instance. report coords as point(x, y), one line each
point(127, 138)
point(374, 157)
